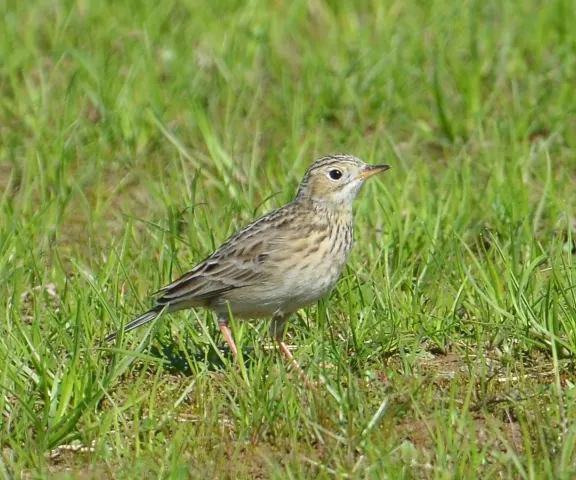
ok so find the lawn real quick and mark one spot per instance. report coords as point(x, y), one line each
point(136, 136)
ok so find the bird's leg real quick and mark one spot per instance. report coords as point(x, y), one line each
point(277, 328)
point(227, 334)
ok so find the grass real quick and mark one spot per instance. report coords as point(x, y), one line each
point(136, 136)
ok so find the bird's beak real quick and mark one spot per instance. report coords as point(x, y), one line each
point(372, 170)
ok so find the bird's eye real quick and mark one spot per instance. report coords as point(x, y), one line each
point(335, 174)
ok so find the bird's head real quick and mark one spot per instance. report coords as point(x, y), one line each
point(336, 179)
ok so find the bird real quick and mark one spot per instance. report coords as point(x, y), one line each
point(287, 259)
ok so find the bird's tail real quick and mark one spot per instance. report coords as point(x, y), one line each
point(138, 321)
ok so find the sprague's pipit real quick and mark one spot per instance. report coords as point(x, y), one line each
point(283, 261)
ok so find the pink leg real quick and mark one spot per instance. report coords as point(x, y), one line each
point(276, 331)
point(292, 361)
point(228, 337)
point(288, 354)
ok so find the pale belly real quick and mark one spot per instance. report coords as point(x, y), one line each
point(296, 289)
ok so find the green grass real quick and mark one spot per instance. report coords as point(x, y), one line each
point(136, 136)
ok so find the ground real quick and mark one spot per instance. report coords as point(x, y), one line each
point(137, 136)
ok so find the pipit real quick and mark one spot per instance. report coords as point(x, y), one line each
point(285, 260)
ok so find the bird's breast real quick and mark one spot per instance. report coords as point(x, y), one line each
point(316, 270)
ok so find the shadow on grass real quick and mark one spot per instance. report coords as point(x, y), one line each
point(179, 360)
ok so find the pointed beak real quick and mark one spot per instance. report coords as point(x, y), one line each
point(371, 170)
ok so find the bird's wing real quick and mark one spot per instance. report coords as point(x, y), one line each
point(245, 259)
point(213, 277)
